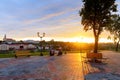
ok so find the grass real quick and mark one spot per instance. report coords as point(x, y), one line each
point(7, 55)
point(37, 53)
point(11, 54)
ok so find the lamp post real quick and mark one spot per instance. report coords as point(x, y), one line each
point(41, 36)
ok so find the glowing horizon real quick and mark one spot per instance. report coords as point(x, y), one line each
point(76, 39)
point(22, 19)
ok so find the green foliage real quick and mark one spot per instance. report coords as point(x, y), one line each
point(96, 15)
point(114, 29)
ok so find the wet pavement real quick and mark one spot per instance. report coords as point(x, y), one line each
point(65, 67)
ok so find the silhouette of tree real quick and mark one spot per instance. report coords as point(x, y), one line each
point(96, 15)
point(114, 29)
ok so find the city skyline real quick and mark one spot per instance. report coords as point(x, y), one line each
point(59, 19)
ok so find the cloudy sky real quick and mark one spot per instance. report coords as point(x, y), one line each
point(59, 19)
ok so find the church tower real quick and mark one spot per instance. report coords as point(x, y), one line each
point(4, 39)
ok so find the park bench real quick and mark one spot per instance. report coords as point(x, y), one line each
point(20, 53)
point(94, 56)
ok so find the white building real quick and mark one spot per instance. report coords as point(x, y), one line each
point(11, 43)
point(17, 46)
point(22, 46)
point(4, 47)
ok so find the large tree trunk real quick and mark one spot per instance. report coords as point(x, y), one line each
point(96, 44)
point(117, 45)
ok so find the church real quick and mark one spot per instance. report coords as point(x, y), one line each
point(8, 40)
point(9, 43)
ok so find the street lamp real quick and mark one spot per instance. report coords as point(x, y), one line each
point(41, 36)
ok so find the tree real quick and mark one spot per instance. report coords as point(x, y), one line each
point(96, 15)
point(114, 29)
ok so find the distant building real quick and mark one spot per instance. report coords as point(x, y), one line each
point(17, 46)
point(8, 40)
point(9, 43)
point(4, 47)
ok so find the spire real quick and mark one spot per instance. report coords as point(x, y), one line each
point(4, 39)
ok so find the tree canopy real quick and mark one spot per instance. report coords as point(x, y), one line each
point(96, 15)
point(114, 29)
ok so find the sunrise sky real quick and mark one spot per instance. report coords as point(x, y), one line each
point(59, 19)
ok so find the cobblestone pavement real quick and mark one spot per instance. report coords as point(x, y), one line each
point(65, 67)
point(108, 70)
point(113, 65)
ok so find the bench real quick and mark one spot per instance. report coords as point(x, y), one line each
point(94, 56)
point(19, 53)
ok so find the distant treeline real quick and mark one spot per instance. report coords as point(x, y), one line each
point(76, 46)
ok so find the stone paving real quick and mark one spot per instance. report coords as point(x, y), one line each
point(113, 64)
point(65, 67)
point(109, 70)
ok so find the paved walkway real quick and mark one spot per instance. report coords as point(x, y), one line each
point(113, 64)
point(109, 70)
point(66, 67)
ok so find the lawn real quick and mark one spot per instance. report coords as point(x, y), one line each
point(37, 53)
point(11, 54)
point(7, 55)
